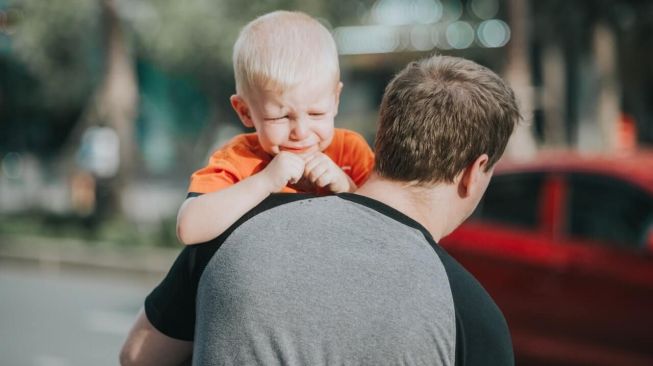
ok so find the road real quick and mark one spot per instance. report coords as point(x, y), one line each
point(51, 316)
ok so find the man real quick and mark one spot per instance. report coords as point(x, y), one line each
point(353, 278)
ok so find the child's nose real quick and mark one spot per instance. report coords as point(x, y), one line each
point(299, 130)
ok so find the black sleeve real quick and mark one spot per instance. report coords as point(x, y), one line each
point(170, 307)
point(482, 334)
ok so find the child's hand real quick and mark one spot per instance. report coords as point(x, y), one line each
point(323, 172)
point(283, 169)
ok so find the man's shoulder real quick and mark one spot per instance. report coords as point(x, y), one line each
point(272, 201)
point(278, 199)
point(204, 252)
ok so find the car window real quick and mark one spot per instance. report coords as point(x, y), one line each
point(608, 211)
point(512, 199)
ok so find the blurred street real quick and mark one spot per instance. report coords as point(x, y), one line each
point(58, 316)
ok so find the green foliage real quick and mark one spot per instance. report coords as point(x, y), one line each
point(57, 40)
point(112, 232)
point(178, 35)
point(61, 41)
point(198, 35)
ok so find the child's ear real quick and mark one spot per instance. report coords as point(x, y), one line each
point(239, 105)
point(338, 90)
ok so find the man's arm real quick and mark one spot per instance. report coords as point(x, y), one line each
point(146, 346)
point(203, 218)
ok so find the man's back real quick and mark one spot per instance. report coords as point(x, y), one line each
point(328, 281)
point(338, 280)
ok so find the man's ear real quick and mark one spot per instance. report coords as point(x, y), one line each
point(338, 90)
point(241, 107)
point(469, 179)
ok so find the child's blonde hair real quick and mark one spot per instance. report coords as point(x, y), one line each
point(281, 49)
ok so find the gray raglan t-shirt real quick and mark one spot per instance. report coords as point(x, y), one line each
point(338, 280)
point(324, 282)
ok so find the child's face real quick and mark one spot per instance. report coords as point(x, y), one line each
point(298, 119)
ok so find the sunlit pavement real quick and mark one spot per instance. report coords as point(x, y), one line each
point(57, 316)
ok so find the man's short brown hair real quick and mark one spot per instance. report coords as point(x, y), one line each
point(438, 115)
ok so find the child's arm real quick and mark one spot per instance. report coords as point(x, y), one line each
point(323, 172)
point(205, 217)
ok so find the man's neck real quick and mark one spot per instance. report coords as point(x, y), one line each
point(432, 207)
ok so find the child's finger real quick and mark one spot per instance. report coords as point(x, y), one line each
point(293, 176)
point(316, 167)
point(312, 156)
point(298, 170)
point(296, 159)
point(315, 161)
point(314, 173)
point(310, 168)
point(324, 179)
point(296, 176)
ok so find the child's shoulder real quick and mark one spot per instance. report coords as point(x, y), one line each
point(246, 140)
point(346, 136)
point(242, 145)
point(348, 140)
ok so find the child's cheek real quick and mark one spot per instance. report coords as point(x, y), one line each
point(326, 139)
point(278, 134)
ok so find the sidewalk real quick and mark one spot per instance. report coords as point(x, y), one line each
point(60, 252)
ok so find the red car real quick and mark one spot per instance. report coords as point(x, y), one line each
point(564, 244)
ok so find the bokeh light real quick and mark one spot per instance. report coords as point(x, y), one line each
point(460, 35)
point(439, 38)
point(401, 12)
point(366, 39)
point(484, 9)
point(420, 38)
point(427, 11)
point(453, 10)
point(391, 12)
point(493, 33)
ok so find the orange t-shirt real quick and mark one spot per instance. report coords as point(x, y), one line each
point(243, 157)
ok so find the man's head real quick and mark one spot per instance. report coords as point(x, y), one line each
point(438, 116)
point(445, 121)
point(287, 82)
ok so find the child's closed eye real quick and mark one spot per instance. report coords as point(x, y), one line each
point(276, 119)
